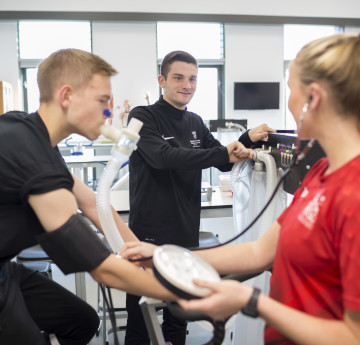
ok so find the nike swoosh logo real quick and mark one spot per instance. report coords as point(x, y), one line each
point(167, 138)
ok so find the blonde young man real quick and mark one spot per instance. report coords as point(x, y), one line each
point(39, 200)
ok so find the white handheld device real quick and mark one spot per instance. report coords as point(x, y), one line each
point(176, 267)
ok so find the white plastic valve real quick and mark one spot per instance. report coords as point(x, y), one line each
point(132, 131)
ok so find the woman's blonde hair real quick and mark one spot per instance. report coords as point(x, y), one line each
point(334, 61)
point(69, 66)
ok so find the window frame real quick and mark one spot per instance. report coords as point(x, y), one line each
point(25, 64)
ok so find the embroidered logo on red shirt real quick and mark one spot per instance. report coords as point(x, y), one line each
point(309, 214)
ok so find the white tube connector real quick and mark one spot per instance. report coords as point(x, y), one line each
point(271, 181)
point(271, 172)
point(125, 142)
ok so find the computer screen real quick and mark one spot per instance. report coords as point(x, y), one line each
point(256, 95)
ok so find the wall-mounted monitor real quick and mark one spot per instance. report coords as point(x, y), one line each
point(256, 95)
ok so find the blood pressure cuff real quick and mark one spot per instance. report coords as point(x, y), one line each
point(74, 247)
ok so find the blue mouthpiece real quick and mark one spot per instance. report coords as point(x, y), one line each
point(107, 112)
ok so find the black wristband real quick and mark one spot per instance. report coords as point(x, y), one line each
point(251, 307)
point(245, 139)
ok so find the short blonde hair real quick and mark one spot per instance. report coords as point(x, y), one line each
point(69, 66)
point(335, 61)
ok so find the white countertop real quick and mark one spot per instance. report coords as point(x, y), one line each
point(86, 159)
point(219, 199)
point(120, 200)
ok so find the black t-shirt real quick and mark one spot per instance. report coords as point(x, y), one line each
point(28, 165)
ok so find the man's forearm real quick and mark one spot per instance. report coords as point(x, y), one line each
point(123, 275)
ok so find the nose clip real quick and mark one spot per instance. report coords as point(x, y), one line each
point(107, 112)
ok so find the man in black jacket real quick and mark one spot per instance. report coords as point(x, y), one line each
point(165, 175)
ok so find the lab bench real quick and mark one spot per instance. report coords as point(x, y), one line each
point(216, 215)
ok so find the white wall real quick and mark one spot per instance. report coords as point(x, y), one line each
point(9, 70)
point(254, 53)
point(131, 49)
point(306, 8)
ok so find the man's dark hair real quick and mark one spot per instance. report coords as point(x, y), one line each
point(177, 55)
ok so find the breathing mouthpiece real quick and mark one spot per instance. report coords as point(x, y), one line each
point(110, 132)
point(107, 112)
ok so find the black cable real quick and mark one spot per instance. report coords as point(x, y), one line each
point(113, 324)
point(218, 333)
point(286, 172)
point(110, 309)
point(296, 162)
